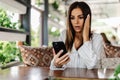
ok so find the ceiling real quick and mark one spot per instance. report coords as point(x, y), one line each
point(98, 7)
point(13, 6)
point(101, 9)
point(93, 1)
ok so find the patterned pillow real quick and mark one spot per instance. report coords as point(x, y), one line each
point(112, 59)
point(33, 56)
point(112, 51)
point(110, 62)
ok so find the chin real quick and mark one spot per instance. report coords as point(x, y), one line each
point(78, 31)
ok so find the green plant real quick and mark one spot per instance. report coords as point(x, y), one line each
point(5, 21)
point(38, 2)
point(116, 73)
point(55, 5)
point(54, 33)
point(8, 52)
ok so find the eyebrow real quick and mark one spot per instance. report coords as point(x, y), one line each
point(79, 15)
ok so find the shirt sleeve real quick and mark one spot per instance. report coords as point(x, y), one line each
point(91, 51)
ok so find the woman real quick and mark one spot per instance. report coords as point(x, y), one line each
point(84, 48)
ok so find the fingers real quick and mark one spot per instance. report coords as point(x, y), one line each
point(60, 61)
point(53, 52)
point(57, 54)
point(64, 61)
point(87, 21)
point(86, 29)
point(65, 55)
point(62, 58)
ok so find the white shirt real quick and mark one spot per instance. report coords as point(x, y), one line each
point(89, 55)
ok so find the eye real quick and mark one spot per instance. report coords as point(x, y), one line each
point(81, 17)
point(71, 17)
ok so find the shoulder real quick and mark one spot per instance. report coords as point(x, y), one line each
point(96, 36)
point(97, 39)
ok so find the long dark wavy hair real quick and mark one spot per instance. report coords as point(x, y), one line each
point(70, 33)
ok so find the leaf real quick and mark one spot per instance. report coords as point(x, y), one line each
point(117, 70)
point(8, 52)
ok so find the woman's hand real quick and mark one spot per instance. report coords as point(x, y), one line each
point(86, 29)
point(60, 61)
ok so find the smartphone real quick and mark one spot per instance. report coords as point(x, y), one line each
point(59, 45)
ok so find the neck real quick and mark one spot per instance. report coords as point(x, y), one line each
point(78, 40)
point(78, 35)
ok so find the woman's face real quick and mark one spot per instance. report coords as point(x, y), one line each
point(77, 19)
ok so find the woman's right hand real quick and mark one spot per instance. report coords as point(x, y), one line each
point(60, 61)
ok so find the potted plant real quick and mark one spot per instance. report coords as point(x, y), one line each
point(8, 50)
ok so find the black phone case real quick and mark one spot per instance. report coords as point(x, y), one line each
point(59, 46)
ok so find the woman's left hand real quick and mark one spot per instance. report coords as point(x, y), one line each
point(86, 29)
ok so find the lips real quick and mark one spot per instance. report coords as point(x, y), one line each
point(77, 28)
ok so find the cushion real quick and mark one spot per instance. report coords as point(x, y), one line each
point(36, 56)
point(112, 59)
point(110, 63)
point(112, 51)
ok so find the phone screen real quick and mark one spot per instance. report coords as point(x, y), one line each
point(59, 46)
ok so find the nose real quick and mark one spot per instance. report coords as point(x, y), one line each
point(76, 20)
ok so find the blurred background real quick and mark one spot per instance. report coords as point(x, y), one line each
point(105, 18)
point(41, 21)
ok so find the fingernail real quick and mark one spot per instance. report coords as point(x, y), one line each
point(61, 50)
point(88, 15)
point(68, 54)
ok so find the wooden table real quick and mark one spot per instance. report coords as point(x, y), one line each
point(43, 73)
